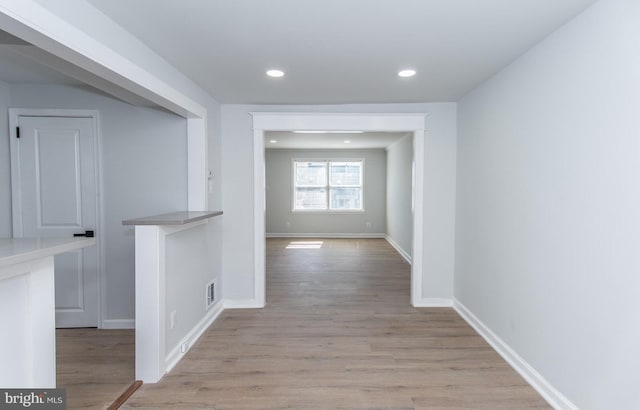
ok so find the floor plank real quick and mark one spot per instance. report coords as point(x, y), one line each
point(338, 332)
point(94, 365)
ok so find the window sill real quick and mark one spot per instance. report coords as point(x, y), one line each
point(315, 211)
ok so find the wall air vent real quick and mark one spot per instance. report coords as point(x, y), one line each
point(210, 294)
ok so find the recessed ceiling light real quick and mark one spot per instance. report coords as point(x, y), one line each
point(275, 73)
point(347, 142)
point(406, 73)
point(273, 141)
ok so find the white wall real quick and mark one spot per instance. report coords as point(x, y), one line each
point(439, 187)
point(278, 166)
point(184, 254)
point(5, 163)
point(214, 227)
point(144, 172)
point(399, 194)
point(548, 216)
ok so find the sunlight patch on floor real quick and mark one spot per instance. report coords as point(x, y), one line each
point(305, 245)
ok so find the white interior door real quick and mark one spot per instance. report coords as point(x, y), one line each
point(54, 195)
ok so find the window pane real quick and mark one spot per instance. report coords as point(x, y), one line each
point(346, 198)
point(311, 173)
point(346, 173)
point(310, 198)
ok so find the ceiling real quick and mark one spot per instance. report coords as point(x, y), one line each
point(365, 140)
point(340, 51)
point(16, 68)
point(23, 63)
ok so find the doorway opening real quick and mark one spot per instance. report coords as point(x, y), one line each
point(413, 124)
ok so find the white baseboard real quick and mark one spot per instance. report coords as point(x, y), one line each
point(118, 324)
point(175, 355)
point(556, 399)
point(327, 235)
point(242, 304)
point(433, 302)
point(399, 249)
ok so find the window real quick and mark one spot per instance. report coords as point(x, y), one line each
point(327, 185)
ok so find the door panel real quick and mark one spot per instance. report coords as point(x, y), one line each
point(69, 281)
point(57, 178)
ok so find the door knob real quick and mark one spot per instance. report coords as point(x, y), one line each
point(88, 234)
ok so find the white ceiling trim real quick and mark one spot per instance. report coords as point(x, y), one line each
point(35, 24)
point(395, 122)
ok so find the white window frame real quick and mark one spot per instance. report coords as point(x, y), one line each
point(328, 210)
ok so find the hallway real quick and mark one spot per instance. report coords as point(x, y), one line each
point(338, 332)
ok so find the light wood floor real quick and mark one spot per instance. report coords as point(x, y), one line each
point(95, 366)
point(338, 332)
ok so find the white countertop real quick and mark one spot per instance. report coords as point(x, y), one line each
point(173, 218)
point(18, 250)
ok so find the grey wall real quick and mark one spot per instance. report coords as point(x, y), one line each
point(144, 163)
point(549, 207)
point(438, 183)
point(399, 194)
point(5, 163)
point(278, 164)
